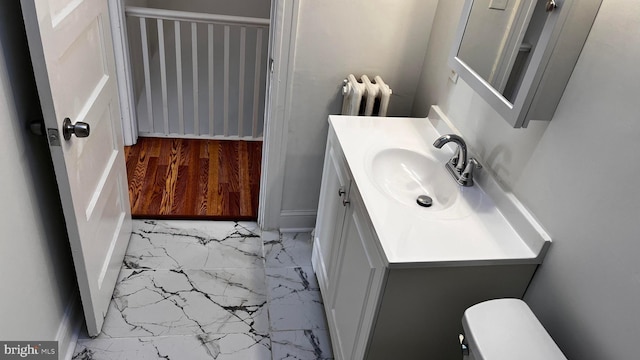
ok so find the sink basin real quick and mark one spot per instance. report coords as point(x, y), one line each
point(391, 161)
point(405, 174)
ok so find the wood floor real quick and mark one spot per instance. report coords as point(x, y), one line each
point(194, 179)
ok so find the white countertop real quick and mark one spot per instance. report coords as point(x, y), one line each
point(473, 231)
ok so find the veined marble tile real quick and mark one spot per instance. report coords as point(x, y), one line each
point(199, 347)
point(301, 345)
point(294, 299)
point(290, 250)
point(193, 245)
point(292, 284)
point(187, 302)
point(270, 235)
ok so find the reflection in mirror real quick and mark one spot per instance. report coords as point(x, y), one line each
point(517, 56)
point(498, 40)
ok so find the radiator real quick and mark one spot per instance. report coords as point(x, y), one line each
point(365, 97)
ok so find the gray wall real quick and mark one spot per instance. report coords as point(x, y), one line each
point(335, 38)
point(135, 46)
point(248, 8)
point(577, 174)
point(35, 261)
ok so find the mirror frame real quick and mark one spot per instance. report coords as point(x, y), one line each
point(517, 113)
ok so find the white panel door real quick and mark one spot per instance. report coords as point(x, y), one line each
point(331, 212)
point(72, 55)
point(358, 283)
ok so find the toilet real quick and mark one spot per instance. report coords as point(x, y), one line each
point(506, 329)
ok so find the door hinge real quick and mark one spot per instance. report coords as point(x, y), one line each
point(53, 136)
point(37, 127)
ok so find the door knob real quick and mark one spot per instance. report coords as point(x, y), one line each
point(79, 129)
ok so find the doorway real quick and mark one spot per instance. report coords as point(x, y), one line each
point(194, 178)
point(197, 99)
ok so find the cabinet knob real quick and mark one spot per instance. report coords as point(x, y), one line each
point(341, 191)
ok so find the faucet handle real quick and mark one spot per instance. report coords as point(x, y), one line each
point(475, 163)
point(456, 157)
point(467, 175)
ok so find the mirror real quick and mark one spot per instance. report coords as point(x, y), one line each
point(519, 54)
point(498, 41)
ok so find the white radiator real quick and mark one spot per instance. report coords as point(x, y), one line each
point(375, 96)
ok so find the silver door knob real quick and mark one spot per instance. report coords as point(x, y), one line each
point(79, 129)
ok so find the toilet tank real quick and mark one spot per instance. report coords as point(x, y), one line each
point(507, 329)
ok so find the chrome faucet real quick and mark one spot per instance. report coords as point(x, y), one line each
point(458, 166)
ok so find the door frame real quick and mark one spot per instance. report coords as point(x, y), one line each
point(282, 46)
point(282, 40)
point(123, 72)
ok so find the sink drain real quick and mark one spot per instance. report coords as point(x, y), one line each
point(424, 201)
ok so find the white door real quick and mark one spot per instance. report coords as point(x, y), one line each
point(72, 55)
point(331, 212)
point(358, 282)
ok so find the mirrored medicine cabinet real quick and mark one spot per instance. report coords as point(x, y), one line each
point(518, 55)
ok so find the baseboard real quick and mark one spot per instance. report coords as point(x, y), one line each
point(69, 329)
point(297, 220)
point(296, 230)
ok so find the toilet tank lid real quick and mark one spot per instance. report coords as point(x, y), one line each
point(506, 329)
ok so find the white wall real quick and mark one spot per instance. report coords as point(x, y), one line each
point(577, 174)
point(251, 8)
point(36, 273)
point(335, 38)
point(504, 149)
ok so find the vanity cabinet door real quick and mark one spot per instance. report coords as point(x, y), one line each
point(358, 282)
point(331, 211)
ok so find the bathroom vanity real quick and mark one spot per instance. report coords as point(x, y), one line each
point(396, 277)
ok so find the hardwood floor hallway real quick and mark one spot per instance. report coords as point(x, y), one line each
point(194, 179)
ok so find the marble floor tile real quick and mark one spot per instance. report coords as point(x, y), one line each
point(187, 302)
point(290, 250)
point(294, 299)
point(200, 290)
point(199, 347)
point(301, 345)
point(269, 235)
point(193, 245)
point(297, 284)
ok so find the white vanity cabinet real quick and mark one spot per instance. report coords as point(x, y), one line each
point(331, 210)
point(349, 267)
point(382, 309)
point(359, 274)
